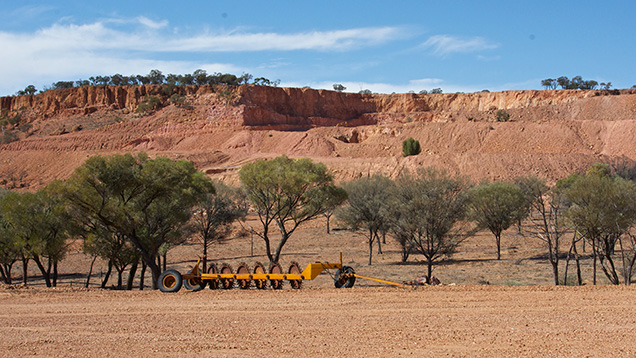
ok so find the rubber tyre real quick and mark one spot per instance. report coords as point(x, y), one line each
point(276, 269)
point(259, 269)
point(170, 281)
point(194, 284)
point(341, 282)
point(213, 284)
point(243, 269)
point(294, 268)
point(227, 283)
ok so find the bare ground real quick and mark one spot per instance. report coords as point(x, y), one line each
point(475, 321)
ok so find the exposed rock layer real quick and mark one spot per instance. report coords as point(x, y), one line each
point(549, 133)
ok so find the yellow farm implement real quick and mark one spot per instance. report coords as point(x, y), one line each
point(225, 277)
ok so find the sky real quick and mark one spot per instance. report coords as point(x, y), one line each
point(383, 46)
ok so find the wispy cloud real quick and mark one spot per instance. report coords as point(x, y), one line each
point(152, 24)
point(134, 45)
point(443, 45)
point(100, 36)
point(339, 40)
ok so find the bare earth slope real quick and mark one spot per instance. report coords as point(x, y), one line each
point(549, 134)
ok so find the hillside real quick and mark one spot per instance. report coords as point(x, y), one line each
point(549, 133)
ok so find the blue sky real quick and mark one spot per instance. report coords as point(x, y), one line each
point(384, 46)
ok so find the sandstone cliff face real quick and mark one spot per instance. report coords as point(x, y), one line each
point(549, 133)
point(302, 108)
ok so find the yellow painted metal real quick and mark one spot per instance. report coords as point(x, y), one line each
point(309, 273)
point(378, 280)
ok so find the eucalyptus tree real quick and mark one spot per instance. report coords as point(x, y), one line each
point(287, 193)
point(147, 201)
point(496, 206)
point(367, 206)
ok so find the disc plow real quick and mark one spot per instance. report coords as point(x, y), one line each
point(244, 277)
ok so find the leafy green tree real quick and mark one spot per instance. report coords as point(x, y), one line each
point(213, 216)
point(410, 147)
point(116, 250)
point(333, 197)
point(546, 216)
point(147, 201)
point(496, 206)
point(367, 206)
point(39, 222)
point(28, 90)
point(426, 211)
point(62, 84)
point(200, 77)
point(338, 87)
point(436, 90)
point(156, 77)
point(549, 83)
point(603, 210)
point(9, 251)
point(286, 192)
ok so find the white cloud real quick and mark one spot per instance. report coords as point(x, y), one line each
point(443, 45)
point(340, 40)
point(152, 24)
point(65, 51)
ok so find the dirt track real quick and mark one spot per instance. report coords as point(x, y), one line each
point(363, 321)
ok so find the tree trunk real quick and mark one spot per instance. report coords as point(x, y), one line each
point(45, 273)
point(370, 246)
point(553, 255)
point(205, 255)
point(328, 218)
point(498, 240)
point(429, 269)
point(156, 272)
point(55, 273)
point(4, 276)
point(143, 275)
point(6, 272)
point(567, 264)
point(119, 277)
point(578, 266)
point(25, 271)
point(555, 272)
point(107, 276)
point(131, 275)
point(90, 272)
point(377, 238)
point(593, 262)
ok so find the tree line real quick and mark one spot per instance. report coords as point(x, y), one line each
point(576, 83)
point(131, 210)
point(431, 212)
point(156, 77)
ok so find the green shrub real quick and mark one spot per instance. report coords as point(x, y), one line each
point(410, 147)
point(8, 137)
point(149, 104)
point(177, 99)
point(502, 116)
